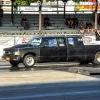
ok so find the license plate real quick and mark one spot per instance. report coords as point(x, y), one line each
point(8, 59)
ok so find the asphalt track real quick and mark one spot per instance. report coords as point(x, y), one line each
point(40, 74)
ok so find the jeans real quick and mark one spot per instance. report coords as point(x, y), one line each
point(1, 18)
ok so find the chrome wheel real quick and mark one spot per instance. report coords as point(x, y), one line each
point(98, 58)
point(29, 60)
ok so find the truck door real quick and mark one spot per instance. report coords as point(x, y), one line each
point(80, 48)
point(76, 49)
point(49, 50)
point(62, 48)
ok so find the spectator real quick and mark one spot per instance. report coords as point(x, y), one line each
point(81, 25)
point(97, 34)
point(75, 22)
point(46, 18)
point(1, 16)
point(69, 21)
point(47, 22)
point(88, 25)
point(25, 23)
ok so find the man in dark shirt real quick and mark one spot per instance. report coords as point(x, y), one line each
point(69, 21)
point(89, 26)
point(1, 16)
point(75, 22)
point(47, 21)
point(25, 23)
point(46, 18)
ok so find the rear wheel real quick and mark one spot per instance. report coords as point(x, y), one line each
point(97, 59)
point(29, 60)
point(14, 63)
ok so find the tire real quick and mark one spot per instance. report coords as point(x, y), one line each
point(29, 61)
point(14, 63)
point(96, 60)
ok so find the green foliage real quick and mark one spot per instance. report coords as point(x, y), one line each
point(77, 1)
point(27, 2)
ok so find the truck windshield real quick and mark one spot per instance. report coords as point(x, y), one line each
point(35, 41)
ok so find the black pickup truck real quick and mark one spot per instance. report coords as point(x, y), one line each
point(53, 48)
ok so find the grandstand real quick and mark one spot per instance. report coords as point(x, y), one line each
point(57, 21)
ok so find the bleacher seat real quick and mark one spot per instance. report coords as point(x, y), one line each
point(57, 21)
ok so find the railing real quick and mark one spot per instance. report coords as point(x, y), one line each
point(47, 32)
point(13, 38)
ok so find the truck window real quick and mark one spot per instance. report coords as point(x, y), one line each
point(50, 42)
point(70, 41)
point(61, 42)
point(35, 41)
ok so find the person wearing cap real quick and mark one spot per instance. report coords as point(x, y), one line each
point(97, 34)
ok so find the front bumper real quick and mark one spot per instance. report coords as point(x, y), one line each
point(13, 58)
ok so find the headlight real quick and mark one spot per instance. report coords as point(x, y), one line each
point(17, 53)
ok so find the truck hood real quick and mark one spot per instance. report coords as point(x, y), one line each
point(19, 46)
point(22, 46)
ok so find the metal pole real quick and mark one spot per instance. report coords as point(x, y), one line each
point(12, 17)
point(20, 6)
point(64, 10)
point(96, 17)
point(40, 17)
point(57, 7)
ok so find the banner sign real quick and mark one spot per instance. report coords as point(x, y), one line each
point(86, 7)
point(6, 40)
point(13, 40)
point(90, 40)
point(10, 41)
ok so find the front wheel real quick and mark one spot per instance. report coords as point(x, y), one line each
point(97, 59)
point(14, 63)
point(29, 60)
